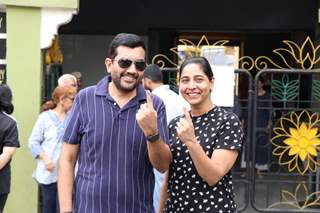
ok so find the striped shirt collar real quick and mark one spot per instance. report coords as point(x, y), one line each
point(102, 89)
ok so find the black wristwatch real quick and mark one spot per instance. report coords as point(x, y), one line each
point(153, 138)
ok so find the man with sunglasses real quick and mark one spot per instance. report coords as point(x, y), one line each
point(118, 134)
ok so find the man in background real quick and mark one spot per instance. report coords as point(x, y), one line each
point(68, 80)
point(153, 81)
point(78, 76)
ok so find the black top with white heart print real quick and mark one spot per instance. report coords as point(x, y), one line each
point(216, 129)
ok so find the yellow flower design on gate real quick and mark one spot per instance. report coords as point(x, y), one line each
point(296, 141)
point(303, 141)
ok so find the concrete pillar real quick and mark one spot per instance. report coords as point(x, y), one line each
point(24, 77)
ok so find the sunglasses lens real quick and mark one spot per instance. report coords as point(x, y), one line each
point(140, 65)
point(124, 63)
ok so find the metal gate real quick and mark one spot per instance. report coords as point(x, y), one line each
point(281, 141)
point(284, 143)
point(279, 167)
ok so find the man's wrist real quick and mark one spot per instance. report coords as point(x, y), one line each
point(153, 138)
point(151, 132)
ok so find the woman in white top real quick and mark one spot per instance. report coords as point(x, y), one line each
point(45, 144)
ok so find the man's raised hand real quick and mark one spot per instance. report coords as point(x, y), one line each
point(147, 117)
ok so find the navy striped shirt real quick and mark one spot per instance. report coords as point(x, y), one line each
point(114, 174)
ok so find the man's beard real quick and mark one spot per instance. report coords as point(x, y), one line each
point(124, 88)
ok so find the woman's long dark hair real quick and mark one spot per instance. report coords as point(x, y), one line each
point(6, 99)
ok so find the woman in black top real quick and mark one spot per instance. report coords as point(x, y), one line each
point(205, 143)
point(8, 142)
point(263, 123)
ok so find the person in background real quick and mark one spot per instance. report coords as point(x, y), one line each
point(78, 76)
point(45, 145)
point(64, 80)
point(205, 143)
point(118, 134)
point(153, 81)
point(9, 142)
point(263, 123)
point(68, 80)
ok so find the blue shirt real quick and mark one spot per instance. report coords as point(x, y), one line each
point(114, 173)
point(46, 137)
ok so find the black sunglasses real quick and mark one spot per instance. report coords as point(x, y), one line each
point(125, 63)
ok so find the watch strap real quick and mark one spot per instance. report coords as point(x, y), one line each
point(153, 138)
